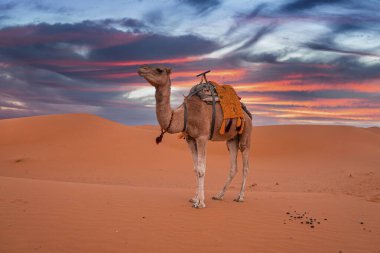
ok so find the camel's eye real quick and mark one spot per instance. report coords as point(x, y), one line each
point(159, 70)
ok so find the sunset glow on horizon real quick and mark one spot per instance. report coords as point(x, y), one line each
point(291, 61)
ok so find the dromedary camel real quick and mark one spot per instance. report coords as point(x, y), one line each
point(197, 130)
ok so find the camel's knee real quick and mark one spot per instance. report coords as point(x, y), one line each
point(200, 173)
point(244, 143)
point(233, 172)
point(243, 147)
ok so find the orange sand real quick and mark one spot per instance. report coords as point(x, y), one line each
point(81, 183)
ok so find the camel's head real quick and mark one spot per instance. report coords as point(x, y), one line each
point(155, 75)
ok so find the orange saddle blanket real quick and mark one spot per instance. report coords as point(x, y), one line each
point(231, 106)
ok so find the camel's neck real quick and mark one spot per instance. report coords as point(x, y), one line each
point(164, 110)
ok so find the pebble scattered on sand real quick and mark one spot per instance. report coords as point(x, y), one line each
point(250, 187)
point(304, 218)
point(364, 228)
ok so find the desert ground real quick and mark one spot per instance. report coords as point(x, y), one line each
point(81, 183)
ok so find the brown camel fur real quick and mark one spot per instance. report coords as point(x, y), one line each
point(198, 131)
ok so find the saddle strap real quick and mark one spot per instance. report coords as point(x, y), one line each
point(213, 114)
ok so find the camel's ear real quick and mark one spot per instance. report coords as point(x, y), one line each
point(168, 70)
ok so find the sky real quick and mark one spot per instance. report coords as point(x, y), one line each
point(291, 61)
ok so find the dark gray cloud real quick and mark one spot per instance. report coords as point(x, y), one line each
point(300, 5)
point(349, 68)
point(7, 6)
point(344, 69)
point(203, 5)
point(57, 37)
point(133, 23)
point(155, 17)
point(260, 34)
point(322, 47)
point(137, 26)
point(253, 13)
point(3, 17)
point(49, 8)
point(58, 47)
point(83, 33)
point(262, 58)
point(310, 95)
point(154, 46)
point(243, 19)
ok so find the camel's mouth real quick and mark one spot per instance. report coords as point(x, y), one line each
point(141, 73)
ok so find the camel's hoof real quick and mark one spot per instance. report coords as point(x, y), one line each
point(217, 198)
point(199, 205)
point(238, 199)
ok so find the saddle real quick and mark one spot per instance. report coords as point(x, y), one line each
point(211, 93)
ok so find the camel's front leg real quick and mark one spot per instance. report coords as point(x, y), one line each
point(201, 171)
point(233, 149)
point(245, 155)
point(193, 148)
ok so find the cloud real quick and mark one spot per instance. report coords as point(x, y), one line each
point(322, 47)
point(94, 51)
point(3, 17)
point(7, 6)
point(50, 8)
point(131, 24)
point(255, 38)
point(241, 20)
point(203, 6)
point(72, 66)
point(103, 41)
point(84, 33)
point(253, 13)
point(291, 76)
point(300, 5)
point(154, 46)
point(262, 58)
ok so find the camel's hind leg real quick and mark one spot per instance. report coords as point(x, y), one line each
point(194, 153)
point(245, 155)
point(233, 149)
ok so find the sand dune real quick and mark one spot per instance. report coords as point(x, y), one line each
point(78, 182)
